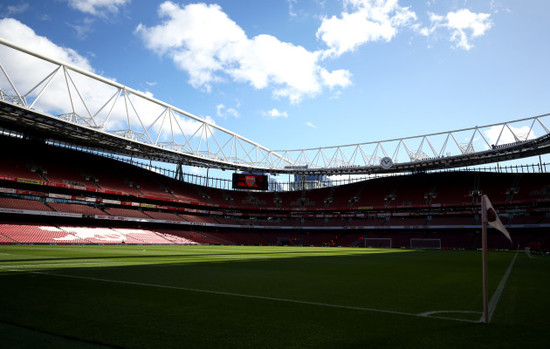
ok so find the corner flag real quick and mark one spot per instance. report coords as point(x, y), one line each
point(488, 216)
point(493, 219)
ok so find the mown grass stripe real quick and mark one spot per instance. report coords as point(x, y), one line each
point(286, 300)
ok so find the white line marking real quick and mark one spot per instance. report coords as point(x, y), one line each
point(133, 283)
point(430, 313)
point(494, 299)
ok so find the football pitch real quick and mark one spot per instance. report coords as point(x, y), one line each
point(268, 297)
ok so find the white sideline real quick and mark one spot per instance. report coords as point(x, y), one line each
point(250, 296)
point(494, 299)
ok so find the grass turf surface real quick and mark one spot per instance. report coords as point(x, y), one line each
point(266, 297)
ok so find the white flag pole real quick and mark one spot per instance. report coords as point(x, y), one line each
point(484, 260)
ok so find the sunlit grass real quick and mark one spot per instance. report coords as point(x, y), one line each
point(23, 257)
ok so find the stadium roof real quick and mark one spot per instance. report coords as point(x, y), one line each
point(70, 106)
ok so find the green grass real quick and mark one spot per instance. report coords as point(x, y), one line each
point(265, 297)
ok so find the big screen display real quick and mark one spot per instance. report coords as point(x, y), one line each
point(250, 181)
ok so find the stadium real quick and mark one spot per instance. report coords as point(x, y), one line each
point(108, 240)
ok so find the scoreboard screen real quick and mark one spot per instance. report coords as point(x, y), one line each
point(250, 181)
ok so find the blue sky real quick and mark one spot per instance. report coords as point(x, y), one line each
point(294, 74)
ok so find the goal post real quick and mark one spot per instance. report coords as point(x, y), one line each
point(418, 243)
point(378, 242)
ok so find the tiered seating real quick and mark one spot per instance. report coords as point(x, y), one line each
point(407, 221)
point(199, 238)
point(5, 241)
point(451, 197)
point(15, 164)
point(216, 197)
point(99, 235)
point(344, 196)
point(267, 222)
point(23, 233)
point(367, 222)
point(531, 219)
point(262, 199)
point(23, 204)
point(167, 216)
point(336, 222)
point(182, 191)
point(246, 199)
point(147, 184)
point(197, 219)
point(58, 170)
point(223, 220)
point(315, 198)
point(453, 220)
point(454, 188)
point(178, 240)
point(142, 235)
point(75, 208)
point(125, 212)
point(411, 190)
point(530, 188)
point(495, 187)
point(290, 200)
point(105, 182)
point(375, 192)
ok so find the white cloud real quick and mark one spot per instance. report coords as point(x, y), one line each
point(16, 9)
point(199, 171)
point(310, 124)
point(336, 78)
point(100, 8)
point(34, 71)
point(83, 29)
point(275, 114)
point(508, 135)
point(20, 34)
point(291, 11)
point(224, 112)
point(26, 72)
point(203, 41)
point(464, 25)
point(363, 21)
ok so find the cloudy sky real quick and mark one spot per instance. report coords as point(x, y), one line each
point(307, 73)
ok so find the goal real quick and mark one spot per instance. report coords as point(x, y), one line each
point(418, 243)
point(378, 242)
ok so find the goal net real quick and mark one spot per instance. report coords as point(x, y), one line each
point(378, 242)
point(425, 243)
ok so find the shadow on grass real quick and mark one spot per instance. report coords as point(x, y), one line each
point(163, 305)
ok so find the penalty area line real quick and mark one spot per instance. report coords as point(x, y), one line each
point(241, 295)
